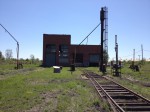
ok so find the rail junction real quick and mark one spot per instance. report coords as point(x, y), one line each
point(120, 98)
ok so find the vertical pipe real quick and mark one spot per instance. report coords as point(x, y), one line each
point(142, 52)
point(102, 30)
point(139, 58)
point(116, 49)
point(17, 55)
point(133, 56)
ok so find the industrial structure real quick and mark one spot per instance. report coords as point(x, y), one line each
point(57, 50)
point(104, 38)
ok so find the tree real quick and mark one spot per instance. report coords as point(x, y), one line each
point(37, 60)
point(1, 56)
point(32, 58)
point(8, 54)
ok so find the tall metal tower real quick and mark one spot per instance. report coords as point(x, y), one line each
point(104, 38)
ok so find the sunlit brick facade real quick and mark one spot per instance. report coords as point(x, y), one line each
point(58, 51)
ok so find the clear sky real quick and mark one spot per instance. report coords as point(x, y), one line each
point(27, 20)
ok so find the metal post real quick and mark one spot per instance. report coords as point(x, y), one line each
point(139, 57)
point(133, 56)
point(102, 30)
point(17, 55)
point(142, 53)
point(116, 49)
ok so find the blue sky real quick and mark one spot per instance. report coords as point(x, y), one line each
point(27, 20)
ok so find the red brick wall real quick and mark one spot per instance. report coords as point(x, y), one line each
point(57, 40)
point(86, 50)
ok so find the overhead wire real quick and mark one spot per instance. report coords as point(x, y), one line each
point(147, 50)
point(131, 54)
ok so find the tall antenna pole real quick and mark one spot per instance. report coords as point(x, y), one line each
point(16, 42)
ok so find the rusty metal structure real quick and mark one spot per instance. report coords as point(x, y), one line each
point(104, 37)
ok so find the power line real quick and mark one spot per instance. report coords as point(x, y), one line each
point(131, 54)
point(147, 50)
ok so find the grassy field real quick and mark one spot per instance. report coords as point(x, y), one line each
point(139, 82)
point(41, 90)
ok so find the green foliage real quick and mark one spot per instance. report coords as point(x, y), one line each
point(1, 55)
point(8, 53)
point(2, 59)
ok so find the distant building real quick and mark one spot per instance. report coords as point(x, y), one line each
point(57, 50)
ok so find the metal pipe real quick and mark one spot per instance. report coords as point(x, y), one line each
point(102, 33)
point(90, 33)
point(133, 56)
point(142, 53)
point(116, 49)
point(16, 42)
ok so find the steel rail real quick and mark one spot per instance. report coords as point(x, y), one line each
point(107, 95)
point(119, 107)
point(148, 101)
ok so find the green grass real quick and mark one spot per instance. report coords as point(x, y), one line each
point(41, 87)
point(7, 70)
point(7, 66)
point(139, 82)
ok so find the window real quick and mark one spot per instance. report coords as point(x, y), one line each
point(50, 48)
point(63, 54)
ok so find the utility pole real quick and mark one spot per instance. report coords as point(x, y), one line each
point(16, 42)
point(133, 56)
point(116, 49)
point(142, 52)
point(139, 57)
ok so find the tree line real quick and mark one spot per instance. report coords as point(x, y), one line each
point(8, 58)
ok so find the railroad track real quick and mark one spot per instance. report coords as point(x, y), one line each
point(120, 98)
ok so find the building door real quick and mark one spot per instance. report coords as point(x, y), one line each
point(50, 59)
point(50, 55)
point(94, 60)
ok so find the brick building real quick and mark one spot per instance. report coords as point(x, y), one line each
point(57, 50)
